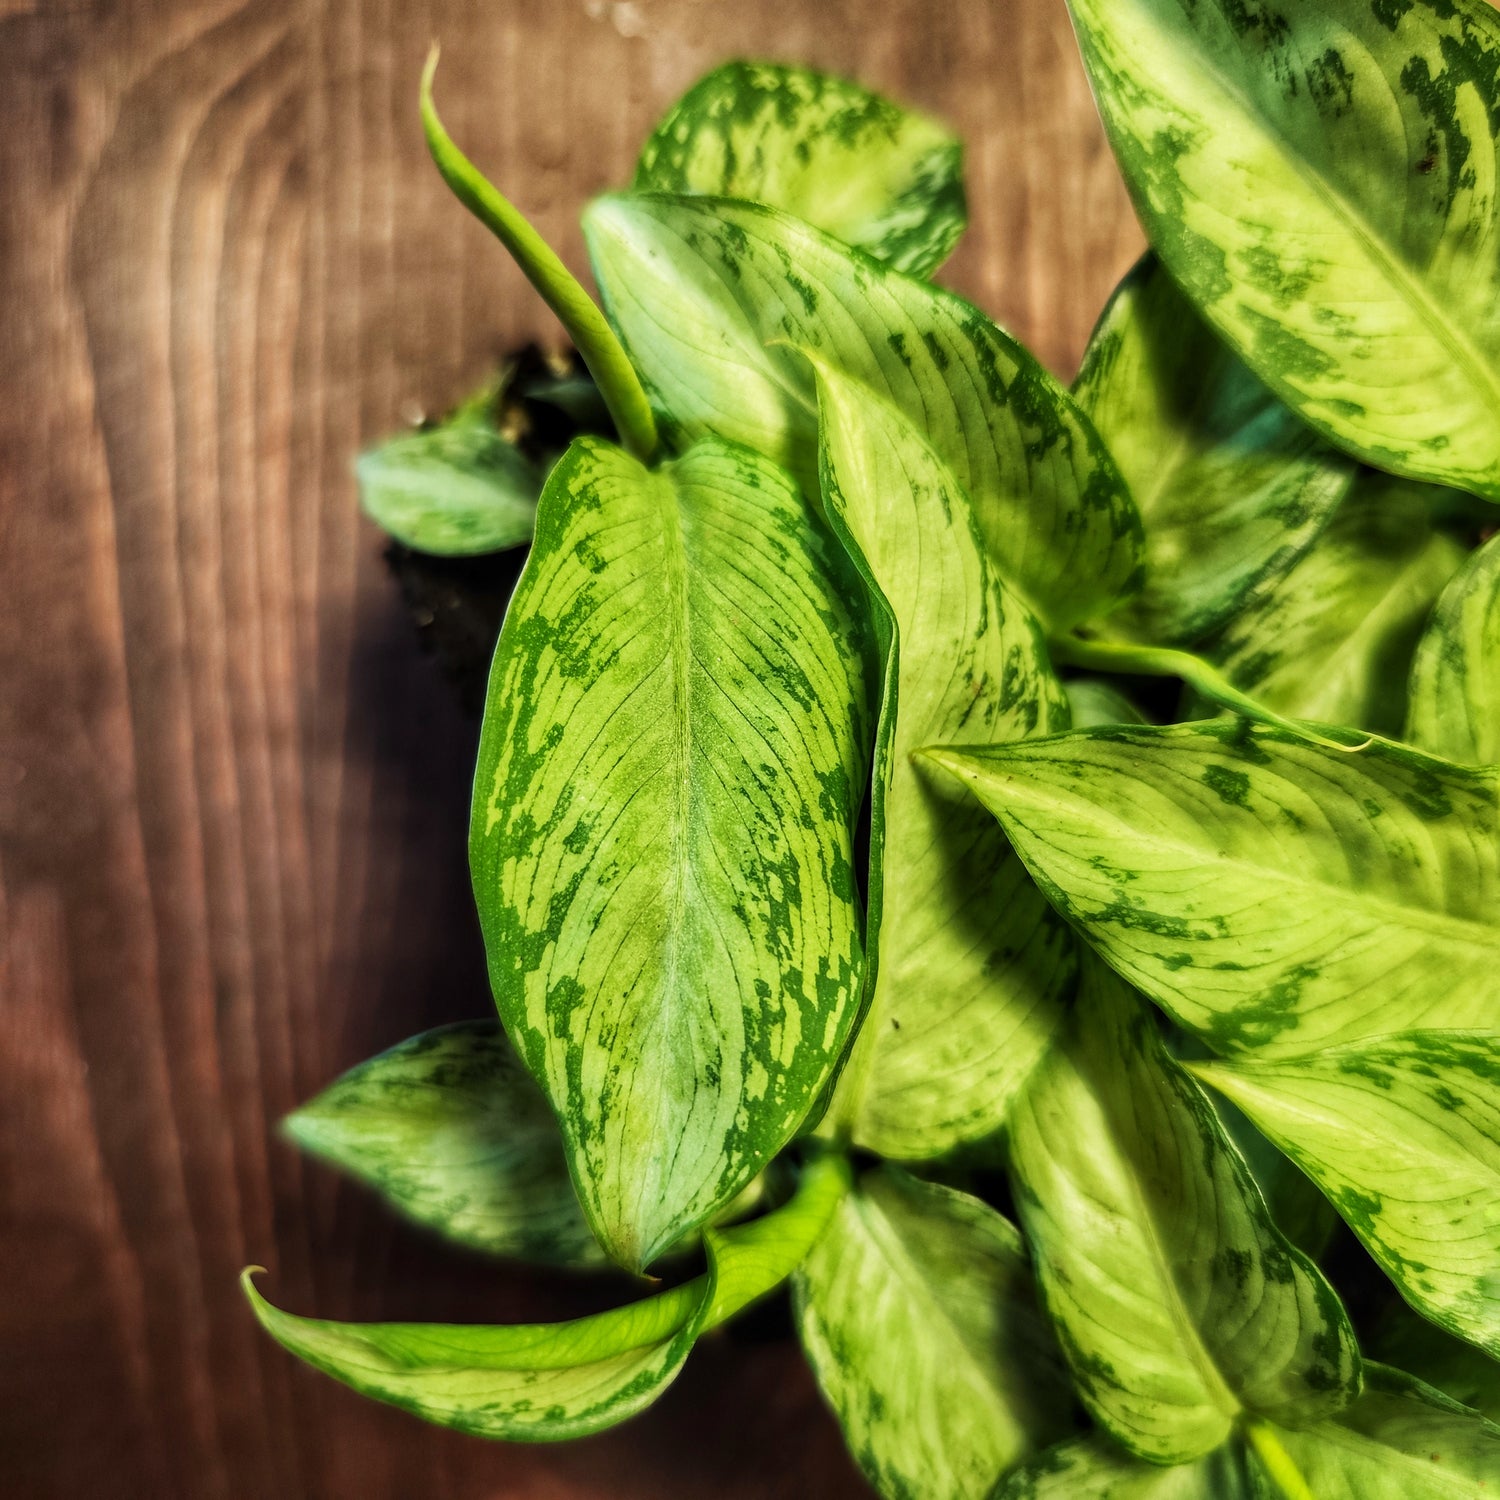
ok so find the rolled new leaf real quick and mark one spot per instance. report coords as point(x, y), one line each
point(452, 1131)
point(1403, 1135)
point(918, 1315)
point(1318, 176)
point(1270, 892)
point(1455, 675)
point(970, 963)
point(877, 176)
point(1232, 486)
point(1401, 1440)
point(1181, 1307)
point(1333, 638)
point(670, 769)
point(547, 1382)
point(714, 300)
point(457, 489)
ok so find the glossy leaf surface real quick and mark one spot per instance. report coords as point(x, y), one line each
point(452, 1131)
point(919, 1318)
point(715, 300)
point(669, 773)
point(1455, 676)
point(970, 962)
point(1179, 1304)
point(456, 489)
point(1231, 484)
point(1403, 1135)
point(1400, 1441)
point(885, 179)
point(1269, 892)
point(1094, 1468)
point(545, 1382)
point(1320, 177)
point(1333, 639)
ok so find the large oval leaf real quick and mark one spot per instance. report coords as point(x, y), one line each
point(883, 178)
point(1332, 640)
point(1180, 1305)
point(1401, 1440)
point(1269, 892)
point(1403, 1134)
point(1455, 675)
point(548, 1381)
point(451, 1129)
point(1093, 1468)
point(969, 962)
point(919, 1318)
point(1232, 486)
point(1320, 177)
point(669, 773)
point(713, 299)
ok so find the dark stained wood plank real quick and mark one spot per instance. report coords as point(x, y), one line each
point(232, 791)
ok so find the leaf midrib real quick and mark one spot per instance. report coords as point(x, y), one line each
point(1366, 235)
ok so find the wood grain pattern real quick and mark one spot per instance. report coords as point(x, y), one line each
point(232, 792)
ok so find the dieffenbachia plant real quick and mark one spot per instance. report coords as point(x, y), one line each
point(1101, 1063)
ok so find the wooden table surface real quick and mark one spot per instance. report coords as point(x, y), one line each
point(232, 789)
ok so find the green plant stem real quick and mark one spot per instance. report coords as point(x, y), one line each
point(602, 351)
point(1162, 661)
point(1277, 1461)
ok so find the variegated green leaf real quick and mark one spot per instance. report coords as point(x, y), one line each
point(455, 489)
point(969, 962)
point(1401, 1440)
point(1459, 1370)
point(1320, 177)
point(1180, 1306)
point(1094, 1468)
point(714, 300)
point(1232, 486)
point(1455, 675)
point(877, 176)
point(1403, 1134)
point(671, 765)
point(544, 1382)
point(1269, 892)
point(1097, 700)
point(451, 1130)
point(1332, 639)
point(919, 1318)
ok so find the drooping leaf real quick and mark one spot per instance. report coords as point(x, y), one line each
point(455, 489)
point(970, 963)
point(1180, 1306)
point(877, 176)
point(451, 1130)
point(1403, 1135)
point(1232, 485)
point(1332, 639)
point(919, 1318)
point(1269, 892)
point(1319, 176)
point(1401, 1440)
point(1094, 1468)
point(1455, 675)
point(715, 300)
point(669, 773)
point(548, 1381)
point(1096, 700)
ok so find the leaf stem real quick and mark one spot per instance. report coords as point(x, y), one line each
point(602, 351)
point(1278, 1463)
point(1163, 661)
